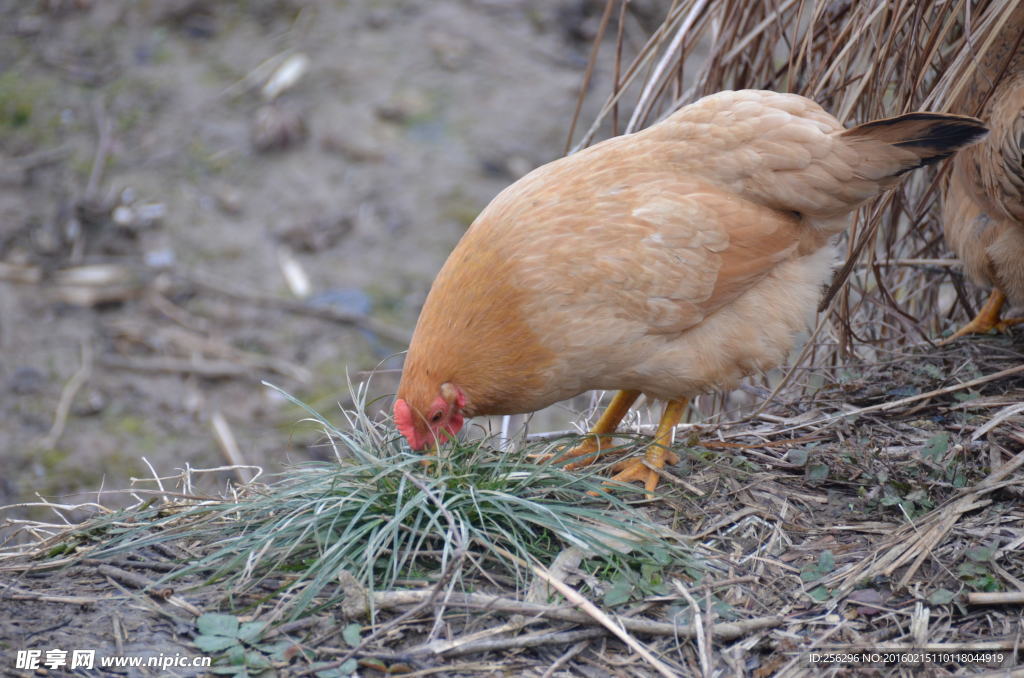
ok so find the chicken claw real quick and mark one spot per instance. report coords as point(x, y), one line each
point(586, 452)
point(988, 319)
point(647, 469)
point(591, 448)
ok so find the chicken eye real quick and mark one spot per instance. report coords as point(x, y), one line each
point(436, 417)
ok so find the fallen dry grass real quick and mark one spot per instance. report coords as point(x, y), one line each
point(885, 516)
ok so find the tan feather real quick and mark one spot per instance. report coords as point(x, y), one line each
point(670, 261)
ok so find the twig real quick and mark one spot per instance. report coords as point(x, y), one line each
point(148, 586)
point(703, 651)
point(39, 158)
point(379, 328)
point(997, 598)
point(132, 579)
point(292, 627)
point(383, 600)
point(565, 658)
point(15, 593)
point(591, 62)
point(643, 106)
point(155, 565)
point(16, 170)
point(452, 646)
point(915, 542)
point(574, 596)
point(119, 634)
point(67, 396)
point(228, 446)
point(891, 405)
point(212, 369)
point(105, 128)
point(193, 342)
point(516, 642)
point(998, 419)
point(604, 620)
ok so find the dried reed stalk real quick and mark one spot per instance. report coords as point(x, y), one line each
point(861, 61)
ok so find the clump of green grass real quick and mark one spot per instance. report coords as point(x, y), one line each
point(26, 118)
point(471, 516)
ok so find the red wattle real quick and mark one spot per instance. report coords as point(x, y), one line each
point(404, 424)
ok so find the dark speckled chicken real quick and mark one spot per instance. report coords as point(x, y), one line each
point(983, 208)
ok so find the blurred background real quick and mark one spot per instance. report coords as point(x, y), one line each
point(198, 196)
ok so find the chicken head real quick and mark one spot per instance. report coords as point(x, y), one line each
point(425, 423)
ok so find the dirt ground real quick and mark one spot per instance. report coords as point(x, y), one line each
point(155, 199)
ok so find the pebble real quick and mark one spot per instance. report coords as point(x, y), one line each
point(275, 128)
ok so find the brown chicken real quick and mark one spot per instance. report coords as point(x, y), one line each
point(983, 208)
point(666, 262)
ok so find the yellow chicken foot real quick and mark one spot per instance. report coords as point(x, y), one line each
point(987, 319)
point(590, 448)
point(657, 454)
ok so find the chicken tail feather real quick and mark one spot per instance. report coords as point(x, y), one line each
point(906, 142)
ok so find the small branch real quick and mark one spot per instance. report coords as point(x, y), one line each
point(463, 646)
point(147, 586)
point(15, 593)
point(46, 156)
point(156, 566)
point(593, 611)
point(229, 446)
point(67, 397)
point(929, 263)
point(385, 331)
point(565, 658)
point(292, 627)
point(517, 642)
point(105, 142)
point(212, 369)
point(16, 170)
point(1000, 598)
point(882, 407)
point(703, 653)
point(916, 541)
point(591, 62)
point(383, 600)
point(997, 419)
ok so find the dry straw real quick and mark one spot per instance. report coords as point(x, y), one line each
point(861, 61)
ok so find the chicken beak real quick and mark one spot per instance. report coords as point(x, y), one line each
point(429, 455)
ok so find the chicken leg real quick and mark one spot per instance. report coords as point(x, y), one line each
point(988, 319)
point(590, 448)
point(657, 454)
